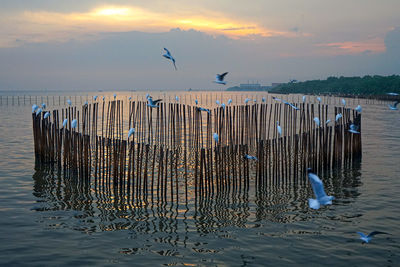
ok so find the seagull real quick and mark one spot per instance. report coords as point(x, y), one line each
point(153, 103)
point(251, 157)
point(319, 99)
point(354, 128)
point(263, 99)
point(95, 98)
point(204, 109)
point(394, 106)
point(177, 98)
point(304, 98)
point(86, 103)
point(255, 100)
point(343, 102)
point(69, 102)
point(367, 238)
point(220, 78)
point(223, 105)
point(46, 115)
point(358, 109)
point(246, 100)
point(317, 121)
point(279, 128)
point(217, 102)
point(328, 121)
point(34, 108)
point(147, 96)
point(74, 123)
point(394, 94)
point(131, 131)
point(43, 105)
point(229, 101)
point(338, 116)
point(319, 192)
point(38, 111)
point(196, 101)
point(277, 99)
point(104, 98)
point(115, 96)
point(65, 122)
point(215, 136)
point(287, 103)
point(130, 98)
point(168, 56)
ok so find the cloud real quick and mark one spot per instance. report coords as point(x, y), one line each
point(376, 45)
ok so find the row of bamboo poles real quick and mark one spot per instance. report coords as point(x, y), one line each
point(172, 156)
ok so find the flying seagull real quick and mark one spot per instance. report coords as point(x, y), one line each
point(319, 192)
point(358, 109)
point(131, 131)
point(394, 94)
point(354, 128)
point(215, 136)
point(169, 56)
point(277, 99)
point(153, 103)
point(220, 78)
point(287, 103)
point(251, 157)
point(394, 106)
point(204, 109)
point(367, 238)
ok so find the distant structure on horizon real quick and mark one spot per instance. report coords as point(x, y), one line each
point(252, 87)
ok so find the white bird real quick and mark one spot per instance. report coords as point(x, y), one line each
point(279, 128)
point(131, 131)
point(115, 96)
point(74, 122)
point(69, 102)
point(147, 96)
point(204, 109)
point(367, 238)
point(394, 106)
point(104, 98)
point(229, 101)
point(319, 99)
point(358, 109)
point(217, 102)
point(220, 78)
point(153, 103)
point(263, 99)
point(215, 136)
point(130, 98)
point(293, 106)
point(251, 157)
point(95, 97)
point(321, 197)
point(246, 100)
point(328, 121)
point(34, 108)
point(196, 101)
point(223, 105)
point(343, 102)
point(354, 128)
point(43, 105)
point(38, 111)
point(86, 103)
point(177, 98)
point(277, 99)
point(338, 116)
point(316, 119)
point(65, 122)
point(255, 100)
point(46, 115)
point(168, 55)
point(304, 98)
point(394, 94)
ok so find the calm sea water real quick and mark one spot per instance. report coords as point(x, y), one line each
point(48, 220)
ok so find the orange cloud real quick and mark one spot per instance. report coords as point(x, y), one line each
point(373, 46)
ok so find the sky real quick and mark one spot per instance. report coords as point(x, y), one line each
point(118, 45)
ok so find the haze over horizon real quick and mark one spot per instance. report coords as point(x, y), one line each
point(119, 44)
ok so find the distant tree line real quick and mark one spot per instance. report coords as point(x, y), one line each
point(367, 85)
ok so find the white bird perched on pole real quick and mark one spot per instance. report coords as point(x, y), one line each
point(215, 136)
point(115, 96)
point(255, 100)
point(358, 109)
point(319, 99)
point(217, 102)
point(321, 197)
point(104, 98)
point(223, 105)
point(168, 55)
point(147, 96)
point(46, 115)
point(196, 101)
point(130, 98)
point(65, 122)
point(251, 157)
point(246, 100)
point(367, 238)
point(34, 108)
point(95, 98)
point(394, 106)
point(74, 123)
point(220, 78)
point(69, 102)
point(131, 131)
point(327, 122)
point(278, 127)
point(43, 106)
point(316, 119)
point(304, 98)
point(338, 116)
point(263, 99)
point(38, 111)
point(343, 102)
point(229, 101)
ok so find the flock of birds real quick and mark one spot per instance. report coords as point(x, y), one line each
point(321, 198)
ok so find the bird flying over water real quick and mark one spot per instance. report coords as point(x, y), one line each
point(168, 55)
point(251, 157)
point(153, 103)
point(316, 119)
point(358, 109)
point(74, 123)
point(220, 78)
point(394, 106)
point(279, 128)
point(321, 197)
point(367, 238)
point(215, 136)
point(287, 103)
point(131, 131)
point(34, 108)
